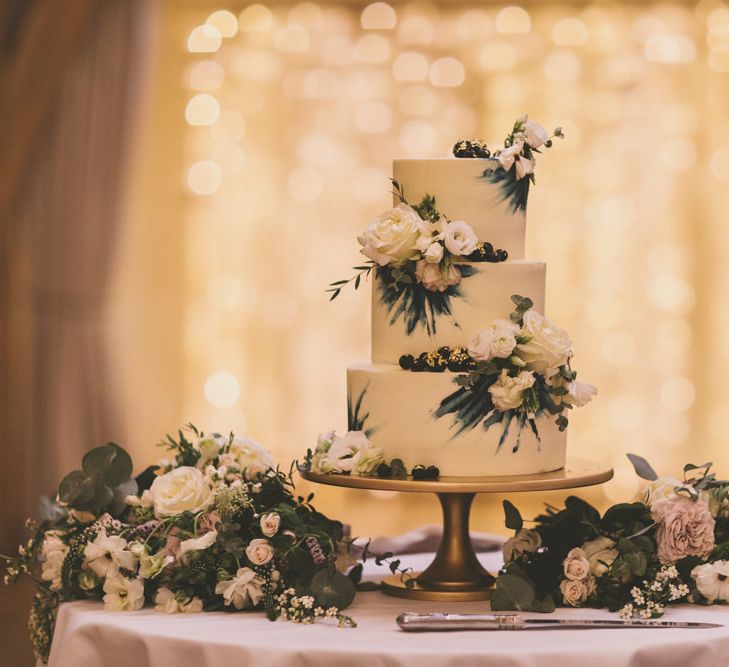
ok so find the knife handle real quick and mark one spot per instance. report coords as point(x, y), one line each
point(412, 622)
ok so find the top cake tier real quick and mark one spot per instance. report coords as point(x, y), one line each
point(462, 192)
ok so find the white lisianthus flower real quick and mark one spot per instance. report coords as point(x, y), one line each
point(210, 446)
point(270, 523)
point(549, 346)
point(459, 238)
point(181, 490)
point(524, 167)
point(199, 543)
point(712, 580)
point(498, 340)
point(663, 487)
point(54, 552)
point(431, 275)
point(600, 554)
point(507, 156)
point(391, 238)
point(434, 253)
point(150, 565)
point(107, 553)
point(167, 602)
point(259, 551)
point(507, 392)
point(87, 580)
point(579, 393)
point(534, 134)
point(525, 541)
point(122, 594)
point(352, 452)
point(251, 457)
point(244, 590)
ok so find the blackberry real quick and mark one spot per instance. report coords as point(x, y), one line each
point(384, 470)
point(406, 361)
point(502, 255)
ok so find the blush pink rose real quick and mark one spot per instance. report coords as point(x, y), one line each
point(686, 528)
point(432, 277)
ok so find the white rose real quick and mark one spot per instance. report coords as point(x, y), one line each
point(525, 541)
point(506, 392)
point(199, 543)
point(434, 253)
point(122, 594)
point(210, 446)
point(460, 239)
point(524, 167)
point(259, 551)
point(252, 458)
point(712, 580)
point(392, 237)
point(498, 340)
point(431, 275)
point(270, 524)
point(181, 490)
point(549, 346)
point(534, 134)
point(244, 590)
point(576, 566)
point(579, 393)
point(663, 487)
point(353, 453)
point(507, 156)
point(600, 553)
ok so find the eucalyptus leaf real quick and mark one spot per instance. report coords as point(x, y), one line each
point(333, 590)
point(118, 502)
point(512, 516)
point(512, 594)
point(642, 467)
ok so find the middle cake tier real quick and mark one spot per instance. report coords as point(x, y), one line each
point(484, 294)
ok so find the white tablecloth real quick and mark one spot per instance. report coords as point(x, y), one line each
point(85, 636)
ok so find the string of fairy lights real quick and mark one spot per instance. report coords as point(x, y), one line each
point(295, 113)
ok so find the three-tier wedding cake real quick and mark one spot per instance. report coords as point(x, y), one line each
point(468, 378)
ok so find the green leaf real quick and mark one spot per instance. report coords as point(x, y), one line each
point(76, 487)
point(118, 502)
point(512, 594)
point(512, 517)
point(543, 606)
point(333, 590)
point(642, 467)
point(637, 562)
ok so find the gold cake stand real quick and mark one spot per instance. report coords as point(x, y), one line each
point(455, 573)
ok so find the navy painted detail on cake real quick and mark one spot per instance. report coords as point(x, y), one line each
point(413, 303)
point(356, 419)
point(516, 191)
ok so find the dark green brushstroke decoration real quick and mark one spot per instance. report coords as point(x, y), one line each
point(355, 418)
point(516, 190)
point(413, 303)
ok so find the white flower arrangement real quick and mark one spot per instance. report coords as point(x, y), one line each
point(351, 453)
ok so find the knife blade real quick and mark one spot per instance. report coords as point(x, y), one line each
point(439, 622)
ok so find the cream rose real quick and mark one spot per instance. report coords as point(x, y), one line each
point(576, 566)
point(391, 238)
point(579, 393)
point(180, 490)
point(459, 238)
point(575, 592)
point(686, 528)
point(507, 392)
point(210, 446)
point(525, 541)
point(259, 551)
point(534, 134)
point(712, 580)
point(434, 253)
point(498, 340)
point(270, 524)
point(548, 347)
point(600, 554)
point(252, 458)
point(431, 275)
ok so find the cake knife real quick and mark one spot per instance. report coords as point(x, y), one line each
point(412, 622)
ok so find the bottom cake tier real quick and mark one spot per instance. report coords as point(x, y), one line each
point(396, 408)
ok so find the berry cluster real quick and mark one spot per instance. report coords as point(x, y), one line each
point(396, 468)
point(485, 252)
point(420, 472)
point(455, 359)
point(475, 148)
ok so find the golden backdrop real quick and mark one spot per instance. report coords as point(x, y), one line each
point(266, 145)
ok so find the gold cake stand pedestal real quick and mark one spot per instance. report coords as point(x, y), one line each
point(455, 573)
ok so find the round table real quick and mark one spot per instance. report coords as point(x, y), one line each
point(88, 636)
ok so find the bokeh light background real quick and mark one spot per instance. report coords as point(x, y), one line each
point(271, 130)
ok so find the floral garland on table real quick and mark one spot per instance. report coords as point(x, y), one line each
point(672, 545)
point(417, 254)
point(216, 527)
point(517, 370)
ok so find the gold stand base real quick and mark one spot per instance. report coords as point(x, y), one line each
point(456, 575)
